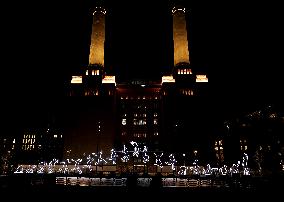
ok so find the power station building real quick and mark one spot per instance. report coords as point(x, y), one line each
point(148, 111)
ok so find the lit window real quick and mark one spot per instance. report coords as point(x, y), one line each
point(87, 72)
point(93, 72)
point(135, 115)
point(28, 142)
point(155, 114)
point(55, 136)
point(155, 121)
point(219, 150)
point(178, 71)
point(144, 122)
point(243, 144)
point(156, 133)
point(123, 122)
point(144, 115)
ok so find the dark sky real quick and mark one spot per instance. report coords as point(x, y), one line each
point(239, 44)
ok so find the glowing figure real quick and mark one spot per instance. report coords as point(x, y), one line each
point(158, 161)
point(146, 157)
point(172, 161)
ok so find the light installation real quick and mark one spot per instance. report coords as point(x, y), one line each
point(89, 162)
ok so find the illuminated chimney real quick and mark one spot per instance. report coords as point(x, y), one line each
point(181, 52)
point(98, 37)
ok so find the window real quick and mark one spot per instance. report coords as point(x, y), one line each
point(155, 121)
point(142, 122)
point(123, 122)
point(155, 114)
point(156, 133)
point(135, 122)
point(243, 144)
point(219, 150)
point(28, 142)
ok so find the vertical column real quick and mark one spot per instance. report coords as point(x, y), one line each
point(181, 52)
point(98, 37)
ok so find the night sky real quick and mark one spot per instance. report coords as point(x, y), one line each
point(240, 45)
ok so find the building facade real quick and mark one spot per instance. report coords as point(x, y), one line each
point(142, 110)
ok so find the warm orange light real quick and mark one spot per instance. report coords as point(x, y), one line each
point(201, 78)
point(168, 79)
point(76, 79)
point(98, 37)
point(181, 52)
point(109, 79)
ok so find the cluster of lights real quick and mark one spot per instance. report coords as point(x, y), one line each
point(175, 9)
point(125, 157)
point(97, 159)
point(99, 9)
point(172, 161)
point(136, 149)
point(146, 157)
point(100, 159)
point(158, 161)
point(113, 156)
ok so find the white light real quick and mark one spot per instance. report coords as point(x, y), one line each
point(100, 159)
point(125, 157)
point(113, 157)
point(158, 161)
point(145, 156)
point(99, 10)
point(109, 79)
point(168, 79)
point(201, 78)
point(19, 169)
point(182, 170)
point(172, 161)
point(76, 79)
point(136, 149)
point(175, 9)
